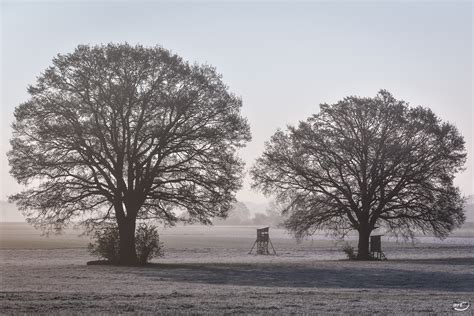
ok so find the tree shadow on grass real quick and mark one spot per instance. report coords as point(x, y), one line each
point(368, 277)
point(440, 261)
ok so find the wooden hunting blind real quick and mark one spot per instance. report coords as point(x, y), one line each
point(263, 239)
point(376, 247)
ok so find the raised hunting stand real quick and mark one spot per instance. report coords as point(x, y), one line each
point(376, 247)
point(263, 239)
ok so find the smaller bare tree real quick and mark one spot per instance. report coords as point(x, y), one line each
point(364, 163)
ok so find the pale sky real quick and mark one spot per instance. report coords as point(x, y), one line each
point(282, 58)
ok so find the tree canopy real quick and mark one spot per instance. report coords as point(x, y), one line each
point(365, 163)
point(126, 132)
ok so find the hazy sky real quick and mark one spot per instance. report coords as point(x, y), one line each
point(282, 58)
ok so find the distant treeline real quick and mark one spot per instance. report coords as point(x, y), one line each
point(241, 215)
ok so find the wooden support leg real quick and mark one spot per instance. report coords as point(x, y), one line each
point(252, 247)
point(274, 252)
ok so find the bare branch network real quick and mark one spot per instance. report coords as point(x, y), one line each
point(125, 133)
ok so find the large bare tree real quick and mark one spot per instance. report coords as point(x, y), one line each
point(365, 163)
point(124, 133)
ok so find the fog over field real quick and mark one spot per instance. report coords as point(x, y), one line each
point(243, 213)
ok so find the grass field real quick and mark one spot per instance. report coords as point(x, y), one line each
point(208, 270)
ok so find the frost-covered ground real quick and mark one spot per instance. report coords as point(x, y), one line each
point(208, 270)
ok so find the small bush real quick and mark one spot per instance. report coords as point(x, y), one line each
point(147, 243)
point(106, 244)
point(349, 251)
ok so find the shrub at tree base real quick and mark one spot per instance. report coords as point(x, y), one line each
point(352, 255)
point(349, 251)
point(107, 244)
point(147, 243)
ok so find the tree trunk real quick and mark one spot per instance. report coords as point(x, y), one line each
point(127, 251)
point(363, 246)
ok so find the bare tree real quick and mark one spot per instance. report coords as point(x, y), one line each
point(124, 133)
point(365, 163)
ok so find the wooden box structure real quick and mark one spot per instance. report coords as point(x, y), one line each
point(262, 242)
point(376, 247)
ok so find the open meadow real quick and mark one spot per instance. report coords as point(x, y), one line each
point(209, 270)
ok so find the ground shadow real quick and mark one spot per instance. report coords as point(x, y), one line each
point(440, 261)
point(275, 275)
